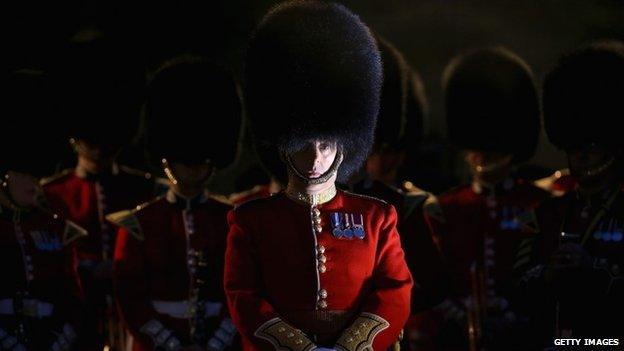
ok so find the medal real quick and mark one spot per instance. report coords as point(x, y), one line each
point(347, 232)
point(358, 226)
point(336, 220)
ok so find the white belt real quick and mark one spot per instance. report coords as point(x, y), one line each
point(184, 309)
point(31, 308)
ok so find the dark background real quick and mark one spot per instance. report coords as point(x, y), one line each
point(428, 32)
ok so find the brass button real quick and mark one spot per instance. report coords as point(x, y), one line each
point(322, 268)
point(322, 258)
point(322, 304)
point(316, 211)
point(323, 293)
point(290, 335)
point(281, 329)
point(321, 249)
point(318, 228)
point(298, 341)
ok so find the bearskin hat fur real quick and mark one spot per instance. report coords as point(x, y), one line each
point(193, 113)
point(312, 71)
point(583, 97)
point(491, 103)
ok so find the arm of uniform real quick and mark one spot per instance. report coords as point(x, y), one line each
point(424, 259)
point(387, 307)
point(130, 286)
point(253, 316)
point(225, 337)
point(530, 264)
point(69, 311)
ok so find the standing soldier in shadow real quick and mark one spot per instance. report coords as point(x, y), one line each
point(573, 269)
point(100, 101)
point(168, 268)
point(40, 296)
point(493, 116)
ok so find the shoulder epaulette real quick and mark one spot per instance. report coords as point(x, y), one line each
point(47, 180)
point(72, 232)
point(221, 199)
point(432, 208)
point(413, 200)
point(128, 220)
point(548, 183)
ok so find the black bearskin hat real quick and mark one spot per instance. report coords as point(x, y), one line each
point(403, 105)
point(31, 141)
point(491, 103)
point(184, 96)
point(583, 97)
point(312, 71)
point(100, 90)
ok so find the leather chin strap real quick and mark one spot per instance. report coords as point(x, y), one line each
point(324, 177)
point(172, 178)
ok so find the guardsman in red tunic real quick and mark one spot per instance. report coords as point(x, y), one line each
point(100, 101)
point(40, 297)
point(573, 269)
point(168, 268)
point(315, 268)
point(492, 113)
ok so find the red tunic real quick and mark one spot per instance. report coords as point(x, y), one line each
point(478, 230)
point(277, 267)
point(168, 266)
point(38, 274)
point(86, 200)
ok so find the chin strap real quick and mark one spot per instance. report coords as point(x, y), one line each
point(597, 170)
point(324, 177)
point(172, 178)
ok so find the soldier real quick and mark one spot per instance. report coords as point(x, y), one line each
point(40, 297)
point(401, 114)
point(492, 114)
point(100, 100)
point(573, 270)
point(168, 268)
point(400, 121)
point(314, 267)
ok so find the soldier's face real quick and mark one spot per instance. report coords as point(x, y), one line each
point(315, 158)
point(23, 188)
